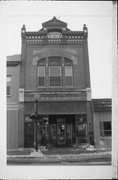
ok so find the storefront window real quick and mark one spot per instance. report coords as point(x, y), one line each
point(82, 128)
point(82, 133)
point(53, 133)
point(69, 133)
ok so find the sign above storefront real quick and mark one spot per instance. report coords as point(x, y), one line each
point(80, 96)
point(71, 98)
point(54, 35)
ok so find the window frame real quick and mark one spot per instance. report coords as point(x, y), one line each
point(55, 76)
point(68, 76)
point(8, 94)
point(39, 66)
point(103, 130)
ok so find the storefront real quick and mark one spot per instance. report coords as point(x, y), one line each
point(62, 123)
point(57, 130)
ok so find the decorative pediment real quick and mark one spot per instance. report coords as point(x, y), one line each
point(54, 23)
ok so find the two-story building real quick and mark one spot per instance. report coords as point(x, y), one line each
point(53, 79)
point(55, 65)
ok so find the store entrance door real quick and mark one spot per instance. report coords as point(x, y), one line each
point(61, 133)
point(62, 130)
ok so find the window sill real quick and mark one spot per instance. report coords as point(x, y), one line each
point(105, 137)
point(41, 86)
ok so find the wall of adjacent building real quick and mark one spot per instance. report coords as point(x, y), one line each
point(12, 128)
point(13, 108)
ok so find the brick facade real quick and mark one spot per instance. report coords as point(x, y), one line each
point(64, 107)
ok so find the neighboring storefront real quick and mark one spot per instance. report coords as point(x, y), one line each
point(13, 74)
point(102, 122)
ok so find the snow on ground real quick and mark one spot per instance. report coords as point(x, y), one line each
point(39, 154)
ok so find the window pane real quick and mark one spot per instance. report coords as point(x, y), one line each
point(68, 62)
point(55, 71)
point(42, 62)
point(107, 128)
point(68, 75)
point(69, 81)
point(41, 71)
point(68, 70)
point(101, 129)
point(55, 81)
point(55, 61)
point(40, 81)
point(41, 75)
point(82, 133)
point(107, 125)
point(8, 90)
point(8, 78)
point(55, 76)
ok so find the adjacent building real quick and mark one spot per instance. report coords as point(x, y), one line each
point(51, 77)
point(13, 75)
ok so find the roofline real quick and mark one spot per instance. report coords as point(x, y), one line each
point(101, 99)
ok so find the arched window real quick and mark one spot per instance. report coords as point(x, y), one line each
point(55, 68)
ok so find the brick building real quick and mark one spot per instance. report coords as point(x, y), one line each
point(13, 74)
point(53, 79)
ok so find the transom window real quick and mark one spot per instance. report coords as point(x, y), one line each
point(54, 61)
point(55, 75)
point(41, 75)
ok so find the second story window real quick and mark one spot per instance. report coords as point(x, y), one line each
point(68, 76)
point(41, 75)
point(8, 85)
point(55, 75)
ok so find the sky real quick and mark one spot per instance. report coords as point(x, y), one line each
point(96, 15)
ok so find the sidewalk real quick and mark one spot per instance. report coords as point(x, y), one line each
point(59, 155)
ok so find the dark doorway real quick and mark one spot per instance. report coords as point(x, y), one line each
point(29, 134)
point(62, 129)
point(61, 133)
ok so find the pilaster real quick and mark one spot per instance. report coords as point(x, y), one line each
point(86, 63)
point(21, 125)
